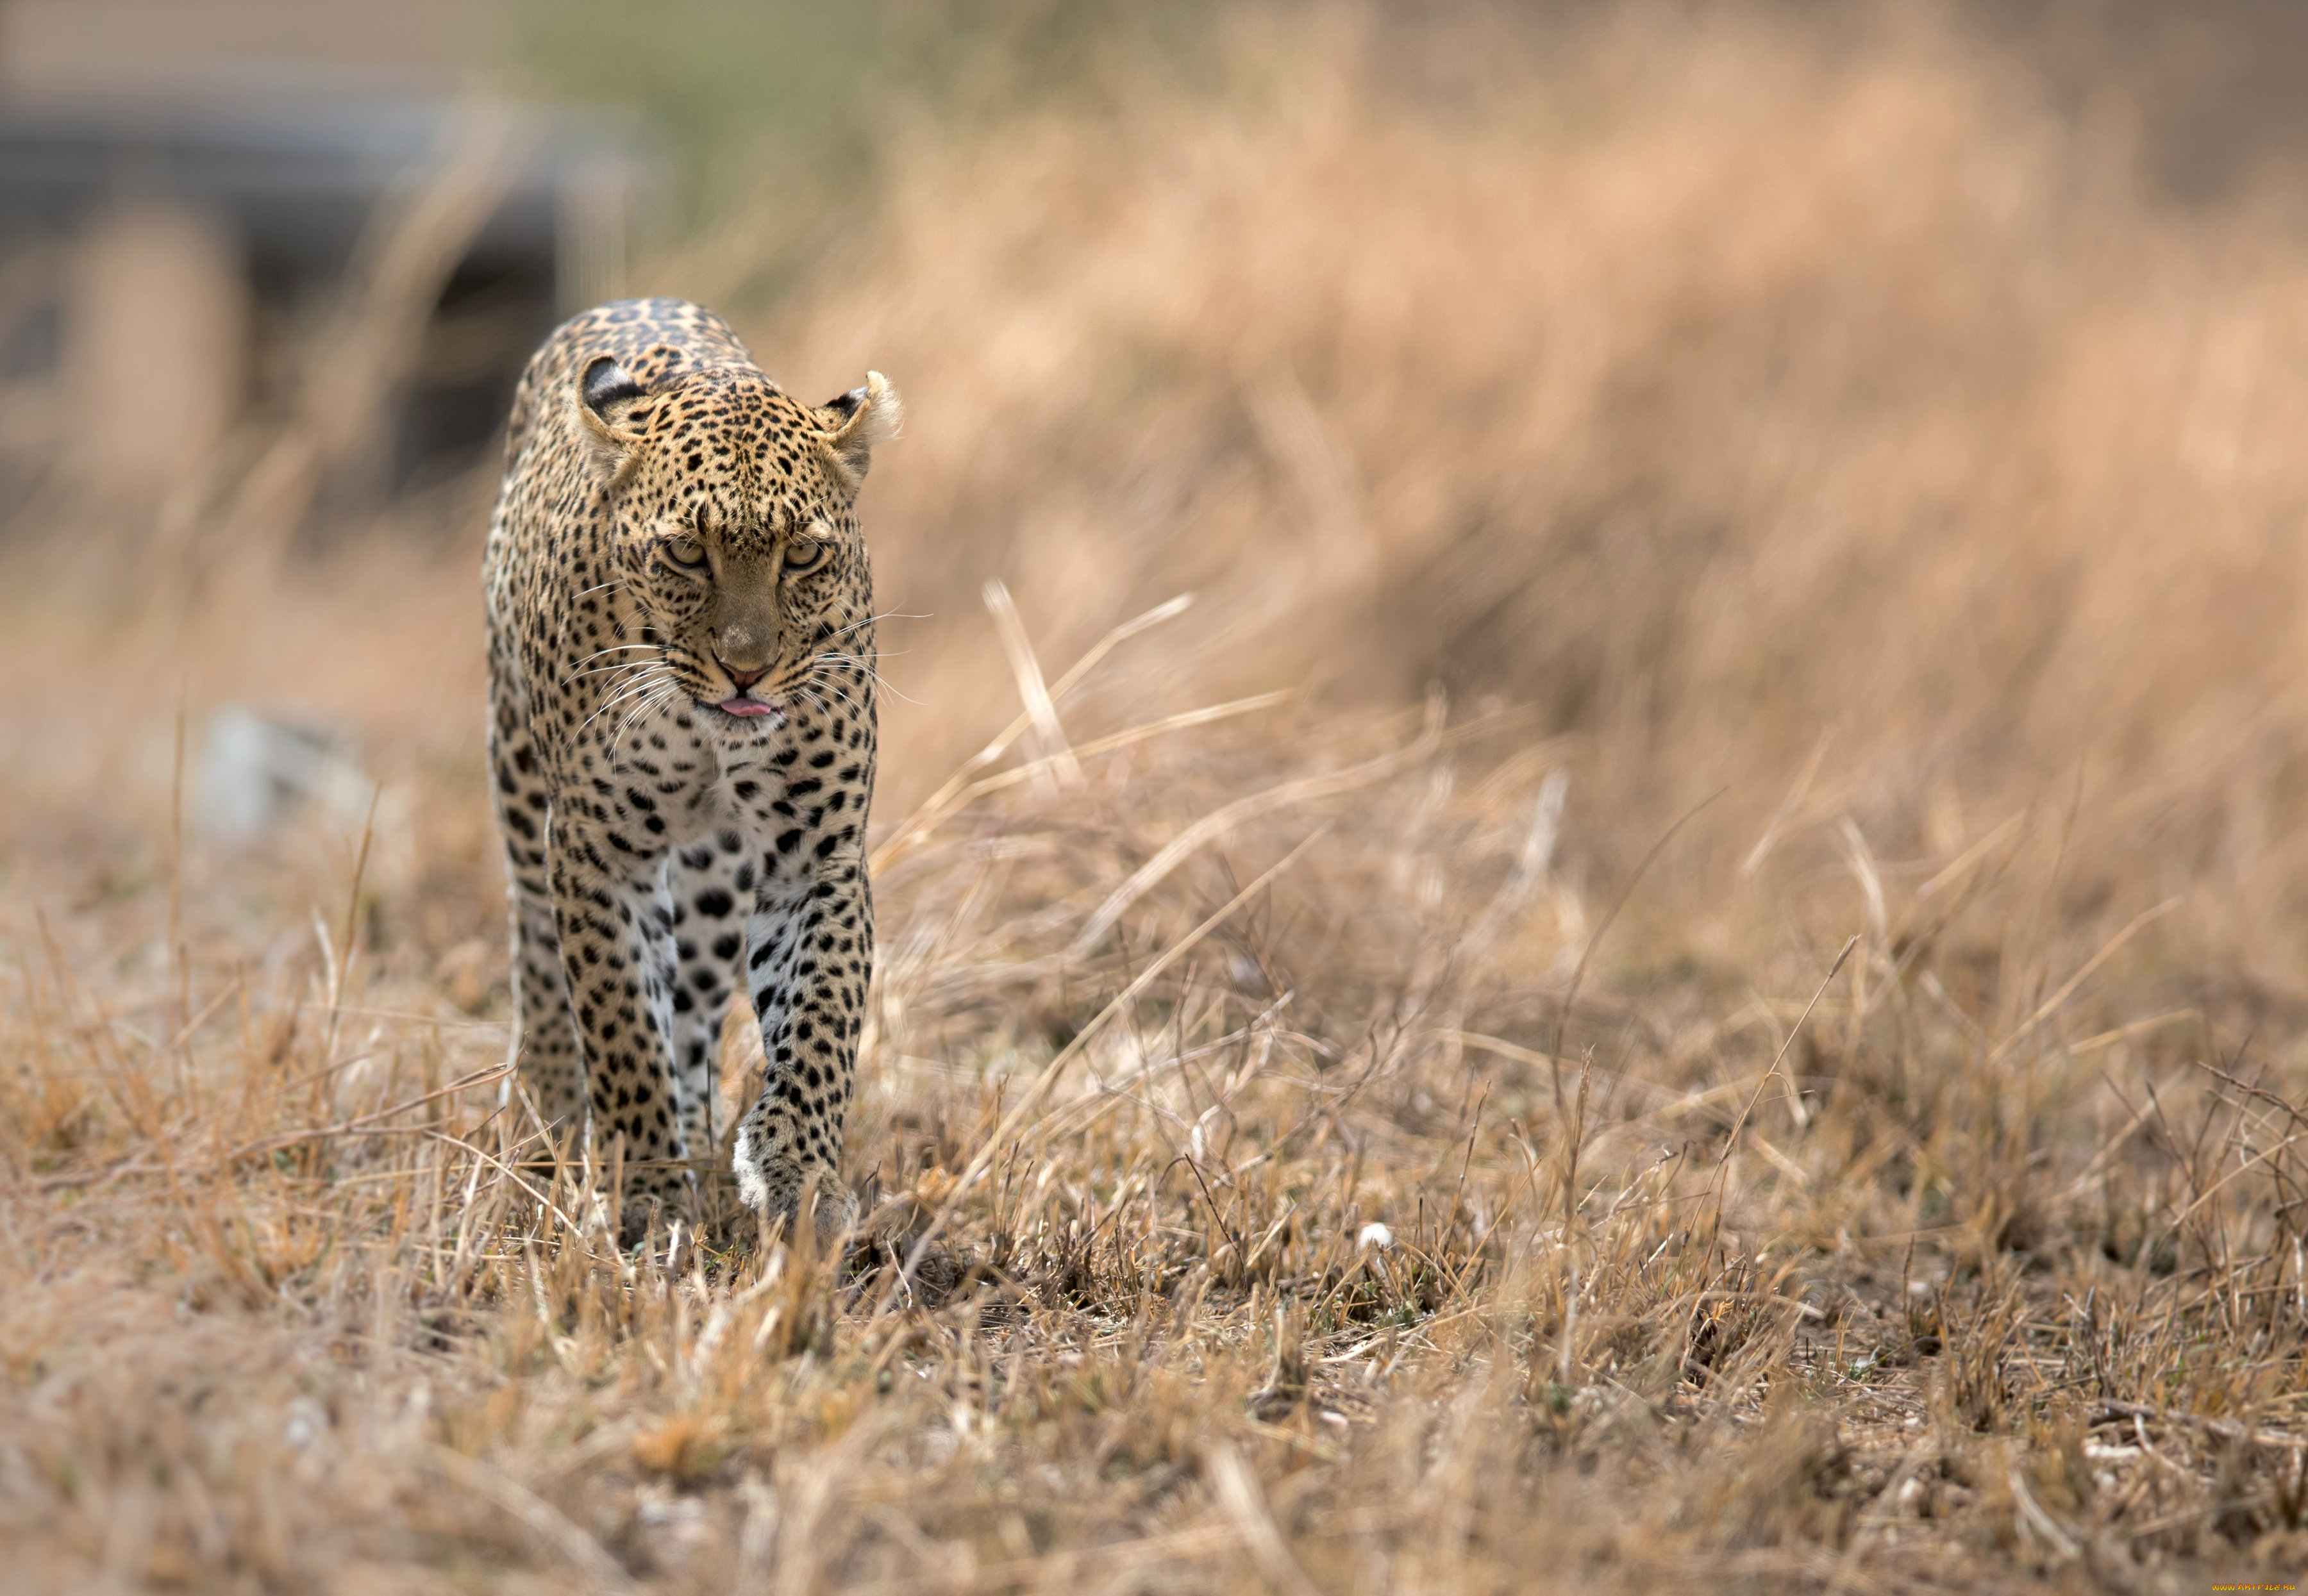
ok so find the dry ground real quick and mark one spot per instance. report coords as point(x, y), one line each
point(1778, 1070)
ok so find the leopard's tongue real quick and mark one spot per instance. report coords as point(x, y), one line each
point(743, 706)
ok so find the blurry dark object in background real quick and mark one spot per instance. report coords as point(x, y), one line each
point(164, 267)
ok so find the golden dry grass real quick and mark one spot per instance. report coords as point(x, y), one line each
point(1811, 997)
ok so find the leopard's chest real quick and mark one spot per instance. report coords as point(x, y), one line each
point(669, 786)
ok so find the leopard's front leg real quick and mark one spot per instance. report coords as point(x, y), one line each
point(605, 905)
point(809, 957)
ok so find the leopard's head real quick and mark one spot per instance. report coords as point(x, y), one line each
point(732, 509)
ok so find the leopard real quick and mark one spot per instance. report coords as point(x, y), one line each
point(682, 745)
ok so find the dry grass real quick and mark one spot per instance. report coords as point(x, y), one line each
point(1812, 1000)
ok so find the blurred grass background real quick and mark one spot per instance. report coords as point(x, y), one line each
point(1737, 477)
point(1722, 382)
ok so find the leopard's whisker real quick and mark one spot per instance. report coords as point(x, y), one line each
point(630, 664)
point(844, 696)
point(612, 648)
point(831, 686)
point(879, 680)
point(633, 716)
point(868, 620)
point(642, 681)
point(662, 696)
point(862, 662)
point(569, 613)
point(855, 705)
point(642, 684)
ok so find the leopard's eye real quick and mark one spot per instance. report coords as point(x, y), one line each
point(805, 556)
point(687, 553)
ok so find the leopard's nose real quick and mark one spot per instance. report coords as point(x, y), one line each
point(741, 680)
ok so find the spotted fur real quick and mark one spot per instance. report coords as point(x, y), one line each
point(682, 737)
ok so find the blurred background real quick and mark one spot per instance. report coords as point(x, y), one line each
point(1883, 416)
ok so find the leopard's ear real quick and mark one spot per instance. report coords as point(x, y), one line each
point(612, 412)
point(858, 420)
